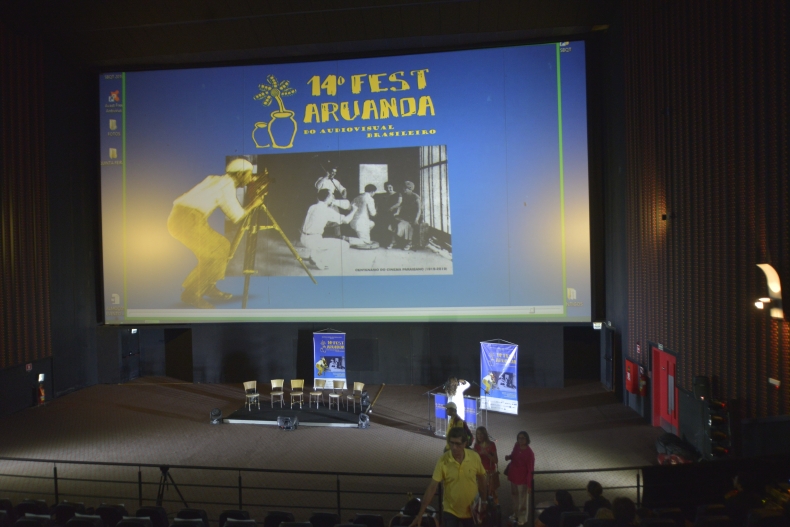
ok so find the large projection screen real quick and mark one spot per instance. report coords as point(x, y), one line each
point(448, 186)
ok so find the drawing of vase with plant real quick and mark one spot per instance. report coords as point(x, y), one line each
point(282, 127)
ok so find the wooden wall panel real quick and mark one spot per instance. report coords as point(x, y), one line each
point(24, 219)
point(707, 145)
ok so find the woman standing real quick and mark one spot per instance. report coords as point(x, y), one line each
point(488, 455)
point(519, 472)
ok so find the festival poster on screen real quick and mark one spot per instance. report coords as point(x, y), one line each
point(388, 183)
point(329, 355)
point(499, 377)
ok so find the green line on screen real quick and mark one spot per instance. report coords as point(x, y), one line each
point(123, 184)
point(562, 184)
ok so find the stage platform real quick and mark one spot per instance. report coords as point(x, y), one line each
point(307, 416)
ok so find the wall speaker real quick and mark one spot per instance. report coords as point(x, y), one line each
point(364, 420)
point(216, 416)
point(701, 388)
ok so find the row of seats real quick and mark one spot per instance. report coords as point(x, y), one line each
point(706, 516)
point(297, 393)
point(36, 513)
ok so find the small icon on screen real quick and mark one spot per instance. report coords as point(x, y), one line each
point(113, 124)
point(113, 153)
point(116, 298)
point(571, 293)
point(563, 44)
point(114, 96)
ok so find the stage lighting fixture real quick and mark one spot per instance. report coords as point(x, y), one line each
point(287, 423)
point(216, 416)
point(364, 420)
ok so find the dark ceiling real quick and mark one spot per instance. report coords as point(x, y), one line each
point(169, 32)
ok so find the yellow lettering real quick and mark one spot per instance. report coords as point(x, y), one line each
point(330, 85)
point(310, 111)
point(421, 82)
point(344, 111)
point(327, 109)
point(425, 103)
point(403, 84)
point(356, 83)
point(388, 107)
point(315, 81)
point(412, 106)
point(369, 107)
point(375, 82)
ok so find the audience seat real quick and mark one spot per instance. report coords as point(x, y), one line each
point(5, 519)
point(7, 506)
point(709, 509)
point(234, 522)
point(598, 522)
point(657, 522)
point(183, 522)
point(324, 519)
point(674, 513)
point(111, 514)
point(65, 510)
point(714, 521)
point(401, 520)
point(133, 521)
point(85, 520)
point(573, 518)
point(296, 524)
point(193, 514)
point(157, 515)
point(767, 518)
point(34, 520)
point(369, 520)
point(233, 514)
point(31, 507)
point(275, 518)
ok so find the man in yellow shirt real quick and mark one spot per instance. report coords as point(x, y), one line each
point(463, 476)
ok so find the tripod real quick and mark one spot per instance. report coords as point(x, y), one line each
point(160, 494)
point(251, 226)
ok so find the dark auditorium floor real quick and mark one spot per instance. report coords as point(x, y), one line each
point(163, 421)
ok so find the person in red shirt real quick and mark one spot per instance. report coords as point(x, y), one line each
point(519, 472)
point(488, 455)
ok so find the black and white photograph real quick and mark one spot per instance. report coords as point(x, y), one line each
point(350, 213)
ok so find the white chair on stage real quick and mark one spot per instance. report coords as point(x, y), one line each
point(337, 392)
point(356, 395)
point(318, 393)
point(277, 391)
point(251, 391)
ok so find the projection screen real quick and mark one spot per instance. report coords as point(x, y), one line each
point(433, 187)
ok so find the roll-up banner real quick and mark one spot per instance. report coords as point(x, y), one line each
point(329, 354)
point(498, 377)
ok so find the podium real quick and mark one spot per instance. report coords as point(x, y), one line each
point(472, 408)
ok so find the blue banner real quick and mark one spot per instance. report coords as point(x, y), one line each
point(499, 377)
point(329, 356)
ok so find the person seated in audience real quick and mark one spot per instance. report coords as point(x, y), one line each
point(744, 497)
point(551, 516)
point(604, 513)
point(596, 501)
point(624, 512)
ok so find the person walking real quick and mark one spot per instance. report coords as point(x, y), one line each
point(519, 473)
point(488, 455)
point(461, 473)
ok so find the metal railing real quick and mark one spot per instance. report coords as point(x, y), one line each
point(255, 489)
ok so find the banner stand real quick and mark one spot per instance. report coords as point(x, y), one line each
point(499, 376)
point(329, 356)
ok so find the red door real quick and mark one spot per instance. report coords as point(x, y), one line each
point(665, 392)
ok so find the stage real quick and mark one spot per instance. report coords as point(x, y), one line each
point(307, 416)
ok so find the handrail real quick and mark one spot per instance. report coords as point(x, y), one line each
point(328, 488)
point(201, 467)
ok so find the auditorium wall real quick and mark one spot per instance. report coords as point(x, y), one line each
point(707, 192)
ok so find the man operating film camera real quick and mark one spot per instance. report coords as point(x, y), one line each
point(188, 223)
